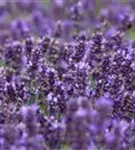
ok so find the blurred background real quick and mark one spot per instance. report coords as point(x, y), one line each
point(21, 18)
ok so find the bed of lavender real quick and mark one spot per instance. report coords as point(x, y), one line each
point(67, 75)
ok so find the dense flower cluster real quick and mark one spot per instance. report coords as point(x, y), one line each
point(67, 75)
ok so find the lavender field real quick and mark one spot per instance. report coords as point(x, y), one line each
point(67, 74)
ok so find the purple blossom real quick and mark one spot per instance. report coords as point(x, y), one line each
point(67, 75)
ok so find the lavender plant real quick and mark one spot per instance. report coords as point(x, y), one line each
point(67, 75)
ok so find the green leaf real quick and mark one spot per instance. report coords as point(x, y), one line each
point(31, 100)
point(131, 33)
point(91, 83)
point(65, 147)
point(2, 63)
